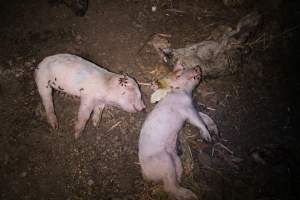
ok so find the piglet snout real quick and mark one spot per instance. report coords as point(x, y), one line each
point(197, 73)
point(140, 107)
point(198, 70)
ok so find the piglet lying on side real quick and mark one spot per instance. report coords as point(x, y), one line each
point(95, 86)
point(157, 144)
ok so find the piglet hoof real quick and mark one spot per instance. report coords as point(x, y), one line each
point(205, 136)
point(53, 123)
point(78, 130)
point(95, 122)
point(76, 135)
point(213, 129)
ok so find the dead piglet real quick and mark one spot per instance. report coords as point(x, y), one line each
point(157, 143)
point(95, 86)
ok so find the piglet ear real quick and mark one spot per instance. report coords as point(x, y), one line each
point(178, 66)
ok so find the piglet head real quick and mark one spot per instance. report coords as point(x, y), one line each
point(181, 78)
point(127, 94)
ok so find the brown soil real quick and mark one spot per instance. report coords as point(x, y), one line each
point(255, 109)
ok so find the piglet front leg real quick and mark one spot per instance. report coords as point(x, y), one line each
point(85, 110)
point(97, 113)
point(210, 124)
point(195, 119)
point(46, 95)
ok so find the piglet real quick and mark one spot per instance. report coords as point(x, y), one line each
point(157, 143)
point(95, 86)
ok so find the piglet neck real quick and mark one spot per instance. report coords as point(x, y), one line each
point(188, 92)
point(110, 98)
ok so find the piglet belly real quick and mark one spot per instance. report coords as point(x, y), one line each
point(149, 146)
point(155, 141)
point(160, 131)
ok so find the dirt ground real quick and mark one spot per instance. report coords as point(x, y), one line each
point(256, 109)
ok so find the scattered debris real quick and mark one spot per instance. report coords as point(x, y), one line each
point(207, 107)
point(175, 10)
point(145, 84)
point(222, 146)
point(257, 158)
point(113, 127)
point(221, 151)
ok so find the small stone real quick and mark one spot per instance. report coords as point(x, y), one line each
point(6, 159)
point(23, 174)
point(98, 137)
point(10, 62)
point(90, 182)
point(137, 25)
point(115, 155)
point(78, 37)
point(123, 131)
point(27, 64)
point(153, 8)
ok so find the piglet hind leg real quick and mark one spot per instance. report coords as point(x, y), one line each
point(85, 110)
point(168, 173)
point(178, 166)
point(97, 113)
point(171, 178)
point(46, 94)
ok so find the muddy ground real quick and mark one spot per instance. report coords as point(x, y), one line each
point(255, 109)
